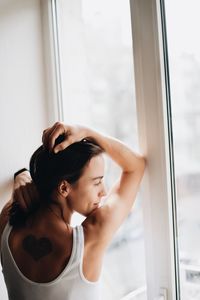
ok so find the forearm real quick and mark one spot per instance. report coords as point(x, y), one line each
point(126, 158)
point(20, 177)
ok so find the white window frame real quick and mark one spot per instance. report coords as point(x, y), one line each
point(52, 60)
point(154, 125)
point(153, 115)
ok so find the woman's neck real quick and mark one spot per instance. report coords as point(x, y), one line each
point(61, 211)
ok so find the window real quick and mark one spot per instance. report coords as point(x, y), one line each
point(184, 65)
point(89, 71)
point(98, 90)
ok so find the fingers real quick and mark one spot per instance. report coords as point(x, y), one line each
point(46, 134)
point(25, 174)
point(19, 197)
point(71, 134)
point(22, 179)
point(62, 145)
point(19, 172)
point(59, 130)
point(51, 134)
point(25, 195)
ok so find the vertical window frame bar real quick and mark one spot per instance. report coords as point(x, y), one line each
point(54, 4)
point(52, 60)
point(155, 137)
point(171, 146)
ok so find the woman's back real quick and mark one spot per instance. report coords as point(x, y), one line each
point(51, 254)
point(46, 242)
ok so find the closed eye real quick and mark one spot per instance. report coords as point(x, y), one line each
point(98, 183)
point(100, 178)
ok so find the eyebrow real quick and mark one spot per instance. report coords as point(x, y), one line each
point(98, 177)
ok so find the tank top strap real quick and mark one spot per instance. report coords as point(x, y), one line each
point(4, 238)
point(5, 235)
point(78, 243)
point(6, 230)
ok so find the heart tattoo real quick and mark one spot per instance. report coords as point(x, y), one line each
point(37, 248)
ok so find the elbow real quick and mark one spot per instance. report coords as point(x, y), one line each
point(142, 164)
point(139, 166)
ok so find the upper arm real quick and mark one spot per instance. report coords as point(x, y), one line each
point(20, 179)
point(118, 204)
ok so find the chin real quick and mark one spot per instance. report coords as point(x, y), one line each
point(92, 211)
point(84, 214)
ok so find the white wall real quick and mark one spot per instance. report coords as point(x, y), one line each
point(23, 115)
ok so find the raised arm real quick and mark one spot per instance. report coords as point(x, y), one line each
point(121, 197)
point(21, 193)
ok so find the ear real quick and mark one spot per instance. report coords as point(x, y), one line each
point(64, 188)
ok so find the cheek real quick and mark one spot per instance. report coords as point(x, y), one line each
point(84, 195)
point(89, 196)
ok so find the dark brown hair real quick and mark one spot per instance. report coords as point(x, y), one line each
point(48, 169)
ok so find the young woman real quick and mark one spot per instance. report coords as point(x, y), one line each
point(42, 255)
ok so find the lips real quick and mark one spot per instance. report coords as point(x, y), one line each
point(97, 203)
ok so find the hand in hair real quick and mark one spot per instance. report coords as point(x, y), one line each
point(70, 134)
point(24, 190)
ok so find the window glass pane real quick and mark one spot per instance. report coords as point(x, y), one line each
point(183, 25)
point(98, 90)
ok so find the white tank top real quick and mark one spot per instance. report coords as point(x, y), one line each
point(69, 285)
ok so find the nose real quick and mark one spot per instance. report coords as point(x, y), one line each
point(103, 191)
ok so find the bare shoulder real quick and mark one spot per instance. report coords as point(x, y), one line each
point(99, 227)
